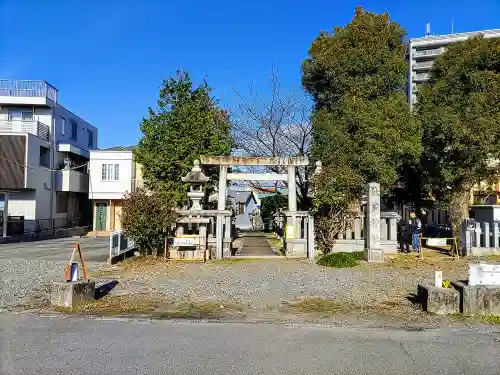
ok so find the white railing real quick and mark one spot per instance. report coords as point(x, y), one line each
point(33, 127)
point(388, 227)
point(421, 77)
point(423, 65)
point(119, 244)
point(42, 89)
point(428, 52)
point(480, 239)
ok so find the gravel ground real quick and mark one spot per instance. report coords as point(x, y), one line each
point(260, 283)
point(254, 283)
point(21, 279)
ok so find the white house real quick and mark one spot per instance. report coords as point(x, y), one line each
point(44, 152)
point(113, 173)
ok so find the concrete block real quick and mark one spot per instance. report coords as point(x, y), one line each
point(439, 301)
point(478, 299)
point(374, 255)
point(71, 294)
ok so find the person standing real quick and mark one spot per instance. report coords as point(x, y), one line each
point(415, 229)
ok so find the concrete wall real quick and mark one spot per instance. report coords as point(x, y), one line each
point(99, 189)
point(40, 179)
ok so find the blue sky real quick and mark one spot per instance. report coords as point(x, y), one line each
point(107, 58)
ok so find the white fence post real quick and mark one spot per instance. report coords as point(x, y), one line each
point(357, 228)
point(383, 229)
point(486, 235)
point(495, 235)
point(477, 237)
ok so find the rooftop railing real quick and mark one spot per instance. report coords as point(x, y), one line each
point(37, 89)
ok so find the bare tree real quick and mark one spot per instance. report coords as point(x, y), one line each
point(275, 122)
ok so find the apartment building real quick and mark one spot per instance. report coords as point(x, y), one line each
point(113, 173)
point(44, 152)
point(423, 52)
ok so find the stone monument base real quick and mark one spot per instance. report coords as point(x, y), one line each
point(374, 255)
point(296, 249)
point(71, 294)
point(440, 301)
point(192, 254)
point(478, 299)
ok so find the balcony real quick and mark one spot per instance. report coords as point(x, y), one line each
point(428, 52)
point(33, 127)
point(27, 92)
point(423, 65)
point(70, 180)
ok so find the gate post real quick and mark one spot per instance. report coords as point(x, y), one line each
point(221, 206)
point(310, 237)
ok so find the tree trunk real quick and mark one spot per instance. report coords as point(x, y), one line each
point(459, 210)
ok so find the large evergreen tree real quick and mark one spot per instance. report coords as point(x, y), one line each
point(362, 127)
point(459, 110)
point(187, 123)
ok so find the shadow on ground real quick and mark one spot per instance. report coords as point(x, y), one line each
point(104, 289)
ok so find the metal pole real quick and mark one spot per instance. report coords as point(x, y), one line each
point(5, 214)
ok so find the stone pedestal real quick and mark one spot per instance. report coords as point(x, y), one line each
point(439, 301)
point(71, 294)
point(374, 255)
point(296, 248)
point(478, 299)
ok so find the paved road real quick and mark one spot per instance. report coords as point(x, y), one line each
point(255, 243)
point(94, 249)
point(72, 345)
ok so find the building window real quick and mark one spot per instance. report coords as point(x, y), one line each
point(241, 208)
point(63, 126)
point(74, 130)
point(27, 116)
point(61, 202)
point(110, 172)
point(91, 138)
point(44, 157)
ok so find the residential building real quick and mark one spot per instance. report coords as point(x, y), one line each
point(243, 203)
point(113, 173)
point(44, 152)
point(423, 52)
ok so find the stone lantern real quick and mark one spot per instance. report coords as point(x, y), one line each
point(196, 178)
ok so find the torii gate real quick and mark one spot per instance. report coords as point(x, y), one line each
point(291, 164)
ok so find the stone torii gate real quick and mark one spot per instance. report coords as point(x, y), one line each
point(224, 162)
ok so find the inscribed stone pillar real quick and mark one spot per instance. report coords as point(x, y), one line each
point(373, 250)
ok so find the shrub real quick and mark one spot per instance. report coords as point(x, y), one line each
point(146, 217)
point(341, 260)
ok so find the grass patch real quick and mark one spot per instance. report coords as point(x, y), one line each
point(198, 310)
point(115, 305)
point(156, 307)
point(341, 260)
point(491, 319)
point(313, 305)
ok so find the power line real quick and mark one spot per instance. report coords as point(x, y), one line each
point(41, 168)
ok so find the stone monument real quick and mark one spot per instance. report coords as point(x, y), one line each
point(373, 250)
